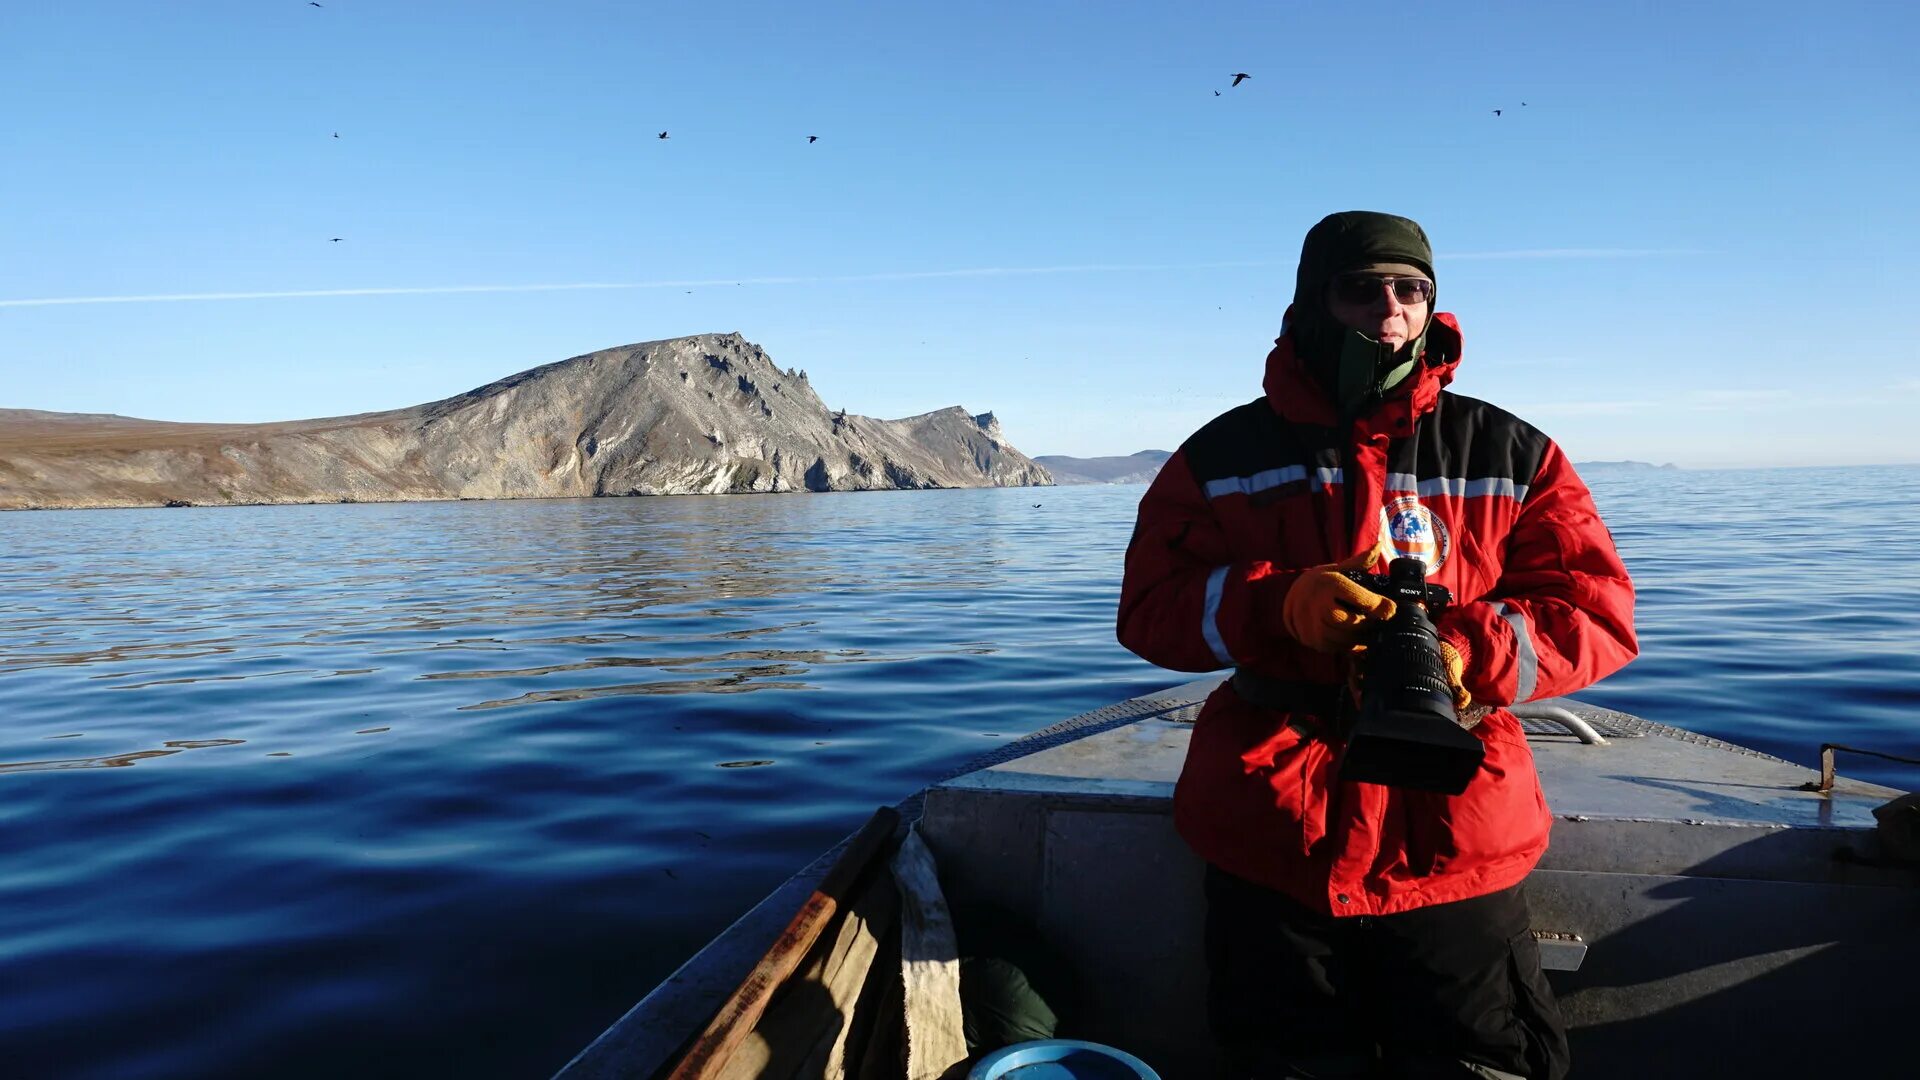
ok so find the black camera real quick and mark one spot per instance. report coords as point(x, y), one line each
point(1407, 734)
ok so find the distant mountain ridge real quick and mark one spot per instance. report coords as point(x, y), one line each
point(705, 414)
point(1136, 468)
point(1619, 466)
point(1143, 466)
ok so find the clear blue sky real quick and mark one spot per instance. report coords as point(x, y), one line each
point(1696, 242)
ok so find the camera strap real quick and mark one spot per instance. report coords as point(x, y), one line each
point(1325, 703)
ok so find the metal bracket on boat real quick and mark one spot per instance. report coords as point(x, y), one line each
point(1825, 783)
point(1560, 950)
point(1564, 717)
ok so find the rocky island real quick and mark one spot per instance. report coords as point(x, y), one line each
point(708, 414)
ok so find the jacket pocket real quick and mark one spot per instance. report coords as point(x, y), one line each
point(1312, 788)
point(1536, 1011)
point(1288, 526)
point(1291, 769)
point(1500, 814)
point(1239, 802)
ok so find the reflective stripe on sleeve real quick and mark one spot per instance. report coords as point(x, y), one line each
point(1258, 482)
point(1526, 661)
point(1209, 626)
point(1487, 487)
point(1457, 486)
point(1316, 479)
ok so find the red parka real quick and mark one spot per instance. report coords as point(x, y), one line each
point(1542, 607)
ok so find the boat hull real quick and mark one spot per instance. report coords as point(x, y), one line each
point(1699, 912)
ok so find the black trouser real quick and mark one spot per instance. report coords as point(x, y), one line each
point(1294, 993)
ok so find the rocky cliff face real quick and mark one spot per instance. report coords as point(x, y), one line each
point(707, 414)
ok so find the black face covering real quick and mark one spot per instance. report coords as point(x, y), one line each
point(1366, 369)
point(1355, 369)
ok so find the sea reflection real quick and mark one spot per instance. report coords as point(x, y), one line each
point(115, 761)
point(741, 682)
point(792, 657)
point(560, 582)
point(212, 612)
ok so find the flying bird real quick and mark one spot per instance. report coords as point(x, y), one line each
point(1496, 112)
point(813, 139)
point(336, 134)
point(663, 134)
point(336, 239)
point(310, 3)
point(1238, 78)
point(1216, 93)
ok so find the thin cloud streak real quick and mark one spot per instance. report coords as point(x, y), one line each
point(1755, 402)
point(1585, 408)
point(905, 275)
point(424, 290)
point(1568, 253)
point(1736, 398)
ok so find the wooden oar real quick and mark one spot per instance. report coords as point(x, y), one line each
point(735, 1020)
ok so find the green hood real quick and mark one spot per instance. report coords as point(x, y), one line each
point(1354, 368)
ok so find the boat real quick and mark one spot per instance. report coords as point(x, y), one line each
point(1703, 909)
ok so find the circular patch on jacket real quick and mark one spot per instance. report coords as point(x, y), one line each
point(1413, 532)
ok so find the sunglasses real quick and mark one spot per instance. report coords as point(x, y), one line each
point(1365, 288)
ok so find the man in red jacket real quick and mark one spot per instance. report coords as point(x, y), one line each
point(1357, 928)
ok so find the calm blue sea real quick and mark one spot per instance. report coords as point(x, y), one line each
point(442, 789)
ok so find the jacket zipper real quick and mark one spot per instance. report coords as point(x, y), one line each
point(1368, 404)
point(1347, 495)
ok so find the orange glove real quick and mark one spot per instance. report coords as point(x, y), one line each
point(1326, 611)
point(1456, 668)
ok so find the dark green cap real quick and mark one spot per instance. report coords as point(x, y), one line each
point(1354, 240)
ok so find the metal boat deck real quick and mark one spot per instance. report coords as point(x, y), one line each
point(1706, 915)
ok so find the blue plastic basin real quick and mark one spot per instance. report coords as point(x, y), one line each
point(1061, 1059)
